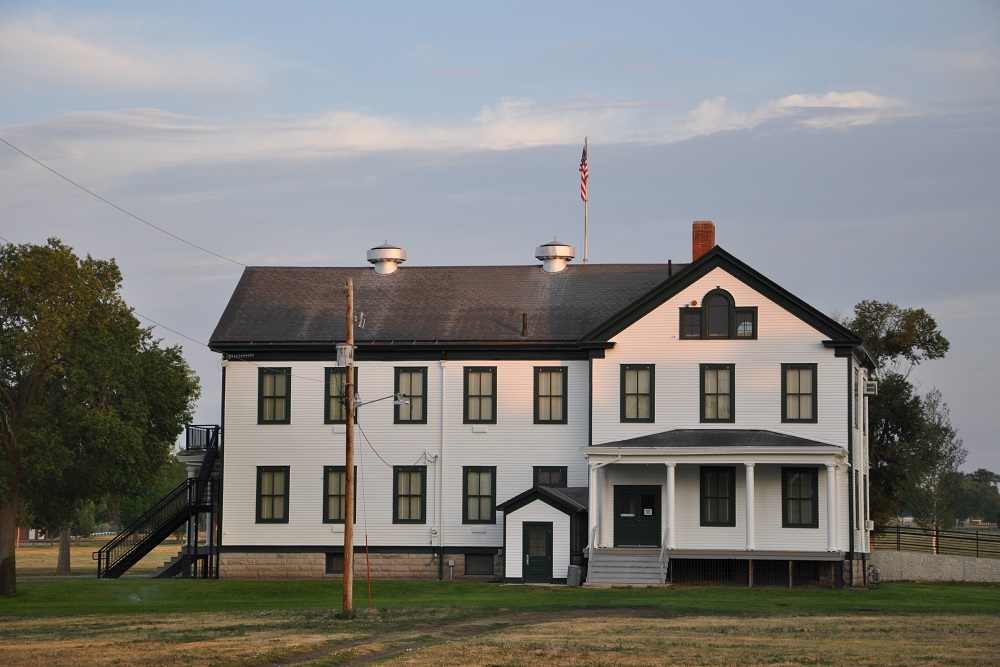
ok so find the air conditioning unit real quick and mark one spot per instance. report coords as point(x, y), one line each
point(871, 388)
point(869, 525)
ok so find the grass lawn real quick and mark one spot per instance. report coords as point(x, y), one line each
point(38, 559)
point(227, 622)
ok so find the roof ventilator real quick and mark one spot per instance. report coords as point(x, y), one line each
point(386, 258)
point(554, 255)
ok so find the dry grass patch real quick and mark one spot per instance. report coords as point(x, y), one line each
point(40, 559)
point(701, 640)
point(246, 638)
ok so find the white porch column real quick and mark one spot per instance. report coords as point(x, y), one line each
point(593, 507)
point(671, 486)
point(605, 494)
point(749, 509)
point(831, 507)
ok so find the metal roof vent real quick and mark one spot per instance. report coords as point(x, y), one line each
point(554, 255)
point(386, 258)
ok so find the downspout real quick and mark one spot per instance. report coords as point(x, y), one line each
point(850, 462)
point(440, 517)
point(222, 469)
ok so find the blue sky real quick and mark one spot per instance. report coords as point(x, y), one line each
point(846, 150)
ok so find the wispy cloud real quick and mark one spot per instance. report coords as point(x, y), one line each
point(136, 139)
point(826, 111)
point(38, 51)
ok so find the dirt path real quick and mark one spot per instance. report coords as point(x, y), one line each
point(378, 648)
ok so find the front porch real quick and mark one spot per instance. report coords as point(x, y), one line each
point(680, 505)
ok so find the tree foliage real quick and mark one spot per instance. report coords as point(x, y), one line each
point(911, 436)
point(91, 404)
point(933, 486)
point(896, 335)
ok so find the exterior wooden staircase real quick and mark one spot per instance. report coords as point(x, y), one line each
point(194, 497)
point(626, 566)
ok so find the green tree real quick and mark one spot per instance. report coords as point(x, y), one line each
point(934, 484)
point(979, 497)
point(91, 404)
point(899, 339)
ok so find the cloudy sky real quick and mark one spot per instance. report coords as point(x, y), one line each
point(846, 150)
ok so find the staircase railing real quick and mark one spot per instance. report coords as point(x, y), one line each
point(193, 495)
point(152, 527)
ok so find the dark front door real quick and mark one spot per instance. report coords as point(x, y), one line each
point(537, 552)
point(637, 516)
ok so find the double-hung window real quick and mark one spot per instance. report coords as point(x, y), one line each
point(274, 395)
point(335, 494)
point(335, 411)
point(479, 489)
point(718, 496)
point(480, 395)
point(272, 494)
point(638, 383)
point(550, 395)
point(798, 391)
point(718, 393)
point(799, 498)
point(411, 387)
point(409, 492)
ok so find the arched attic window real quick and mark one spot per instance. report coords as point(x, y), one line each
point(718, 317)
point(718, 313)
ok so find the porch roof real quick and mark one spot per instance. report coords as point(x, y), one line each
point(718, 438)
point(568, 500)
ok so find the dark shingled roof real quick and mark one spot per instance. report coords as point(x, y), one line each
point(574, 498)
point(437, 304)
point(716, 437)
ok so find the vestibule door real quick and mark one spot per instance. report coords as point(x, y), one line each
point(637, 516)
point(537, 552)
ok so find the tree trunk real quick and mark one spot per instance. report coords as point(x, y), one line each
point(8, 536)
point(62, 566)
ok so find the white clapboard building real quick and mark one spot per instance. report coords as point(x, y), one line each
point(638, 423)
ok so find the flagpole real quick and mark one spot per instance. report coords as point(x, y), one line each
point(584, 175)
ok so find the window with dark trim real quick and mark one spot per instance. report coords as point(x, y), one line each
point(479, 565)
point(479, 491)
point(335, 562)
point(549, 476)
point(409, 492)
point(412, 383)
point(638, 388)
point(718, 317)
point(272, 494)
point(718, 496)
point(798, 392)
point(480, 393)
point(550, 395)
point(335, 408)
point(857, 398)
point(718, 393)
point(799, 498)
point(274, 395)
point(335, 493)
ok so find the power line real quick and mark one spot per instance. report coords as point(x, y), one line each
point(116, 206)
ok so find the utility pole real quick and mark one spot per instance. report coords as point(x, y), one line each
point(349, 459)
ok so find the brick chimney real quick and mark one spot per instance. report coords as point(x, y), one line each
point(702, 238)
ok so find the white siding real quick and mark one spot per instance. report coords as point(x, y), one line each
point(514, 445)
point(781, 338)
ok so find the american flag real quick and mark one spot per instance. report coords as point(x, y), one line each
point(584, 172)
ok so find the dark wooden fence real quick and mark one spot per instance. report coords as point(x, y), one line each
point(978, 543)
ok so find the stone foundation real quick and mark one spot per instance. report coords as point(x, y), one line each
point(312, 565)
point(916, 566)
